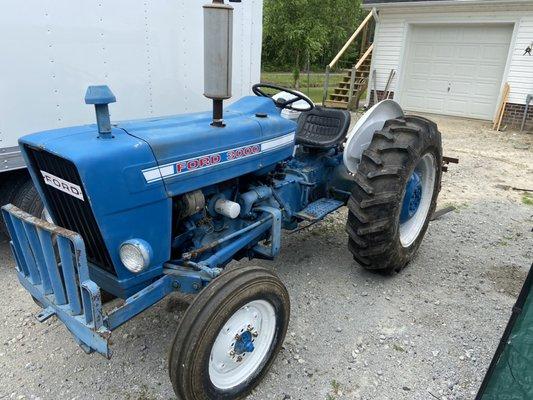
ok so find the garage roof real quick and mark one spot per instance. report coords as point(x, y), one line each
point(395, 1)
point(392, 3)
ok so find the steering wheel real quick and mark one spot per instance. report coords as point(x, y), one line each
point(282, 103)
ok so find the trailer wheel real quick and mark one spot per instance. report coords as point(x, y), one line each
point(395, 194)
point(229, 335)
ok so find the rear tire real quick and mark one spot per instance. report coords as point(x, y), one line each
point(377, 240)
point(242, 307)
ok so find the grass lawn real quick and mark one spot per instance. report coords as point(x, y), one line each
point(316, 82)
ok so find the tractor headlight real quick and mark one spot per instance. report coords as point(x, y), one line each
point(135, 254)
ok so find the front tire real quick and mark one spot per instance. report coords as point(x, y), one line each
point(18, 189)
point(230, 335)
point(27, 198)
point(395, 193)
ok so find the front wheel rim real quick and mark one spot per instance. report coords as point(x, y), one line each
point(417, 199)
point(242, 345)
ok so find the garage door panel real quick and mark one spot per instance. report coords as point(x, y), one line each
point(437, 86)
point(422, 35)
point(469, 52)
point(463, 71)
point(495, 34)
point(479, 109)
point(483, 90)
point(456, 69)
point(446, 35)
point(422, 51)
point(441, 69)
point(420, 68)
point(443, 52)
point(419, 85)
point(414, 102)
point(462, 88)
point(432, 104)
point(488, 52)
point(422, 84)
point(457, 105)
point(489, 72)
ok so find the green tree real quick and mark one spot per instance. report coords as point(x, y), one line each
point(296, 32)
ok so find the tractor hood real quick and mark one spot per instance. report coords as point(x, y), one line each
point(176, 154)
point(191, 153)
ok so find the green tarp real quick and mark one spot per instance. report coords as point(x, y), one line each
point(510, 376)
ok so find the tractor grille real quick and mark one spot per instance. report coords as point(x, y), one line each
point(68, 211)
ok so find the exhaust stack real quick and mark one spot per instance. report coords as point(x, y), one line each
point(218, 49)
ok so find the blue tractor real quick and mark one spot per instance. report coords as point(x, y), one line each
point(144, 208)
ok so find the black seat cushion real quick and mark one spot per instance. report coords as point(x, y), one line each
point(322, 128)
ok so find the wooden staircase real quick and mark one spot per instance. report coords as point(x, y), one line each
point(345, 95)
point(355, 80)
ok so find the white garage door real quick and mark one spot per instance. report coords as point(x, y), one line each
point(455, 69)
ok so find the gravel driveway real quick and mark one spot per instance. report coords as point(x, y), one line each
point(429, 332)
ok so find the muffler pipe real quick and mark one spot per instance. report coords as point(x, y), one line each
point(218, 49)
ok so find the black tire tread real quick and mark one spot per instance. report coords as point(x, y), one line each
point(27, 198)
point(375, 200)
point(19, 190)
point(373, 156)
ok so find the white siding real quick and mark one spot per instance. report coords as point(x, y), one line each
point(520, 75)
point(388, 48)
point(392, 36)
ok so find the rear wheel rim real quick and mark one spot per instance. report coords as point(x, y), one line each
point(242, 345)
point(417, 200)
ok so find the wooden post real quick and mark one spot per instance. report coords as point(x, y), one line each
point(326, 85)
point(352, 84)
point(363, 41)
point(374, 81)
point(308, 73)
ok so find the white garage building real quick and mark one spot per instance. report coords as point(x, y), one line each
point(453, 57)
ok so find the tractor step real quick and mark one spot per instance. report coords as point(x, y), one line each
point(319, 209)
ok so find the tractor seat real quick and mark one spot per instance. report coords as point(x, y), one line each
point(322, 128)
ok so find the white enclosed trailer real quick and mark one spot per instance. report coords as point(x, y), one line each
point(150, 53)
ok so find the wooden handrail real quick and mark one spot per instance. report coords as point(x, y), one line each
point(364, 57)
point(355, 69)
point(350, 41)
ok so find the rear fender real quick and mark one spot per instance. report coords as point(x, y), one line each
point(361, 135)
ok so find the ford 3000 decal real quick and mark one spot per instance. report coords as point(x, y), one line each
point(211, 160)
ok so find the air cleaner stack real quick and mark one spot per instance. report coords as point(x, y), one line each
point(218, 48)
